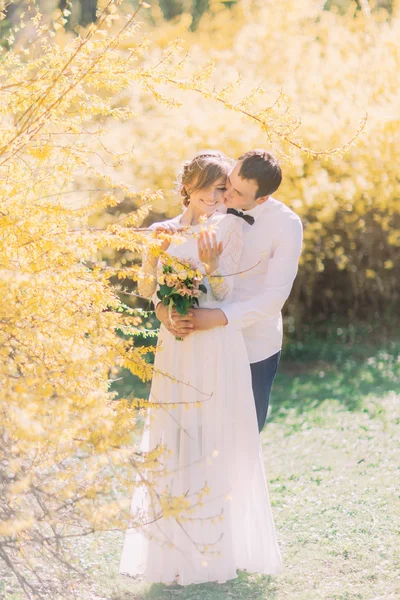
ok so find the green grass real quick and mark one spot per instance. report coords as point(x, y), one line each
point(345, 365)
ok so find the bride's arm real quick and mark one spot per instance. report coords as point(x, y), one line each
point(221, 260)
point(147, 279)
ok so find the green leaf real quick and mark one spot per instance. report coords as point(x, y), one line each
point(183, 305)
point(165, 290)
point(177, 300)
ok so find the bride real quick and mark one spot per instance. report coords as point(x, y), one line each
point(206, 418)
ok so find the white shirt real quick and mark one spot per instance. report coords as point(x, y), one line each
point(272, 247)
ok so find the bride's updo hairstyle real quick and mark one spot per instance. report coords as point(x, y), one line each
point(199, 173)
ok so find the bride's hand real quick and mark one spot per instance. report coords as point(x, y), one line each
point(168, 228)
point(179, 326)
point(209, 250)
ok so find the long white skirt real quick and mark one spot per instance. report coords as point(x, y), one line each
point(214, 448)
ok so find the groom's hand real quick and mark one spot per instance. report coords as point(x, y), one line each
point(207, 318)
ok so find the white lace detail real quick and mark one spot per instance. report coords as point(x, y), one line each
point(147, 280)
point(232, 239)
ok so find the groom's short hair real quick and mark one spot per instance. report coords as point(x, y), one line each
point(263, 168)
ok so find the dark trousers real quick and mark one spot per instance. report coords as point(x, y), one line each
point(262, 375)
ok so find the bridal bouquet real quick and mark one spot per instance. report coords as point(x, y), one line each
point(180, 287)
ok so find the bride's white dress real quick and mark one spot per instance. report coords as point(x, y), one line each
point(215, 445)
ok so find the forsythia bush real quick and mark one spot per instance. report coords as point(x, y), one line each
point(60, 433)
point(334, 68)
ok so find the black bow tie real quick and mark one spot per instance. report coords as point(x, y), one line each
point(248, 218)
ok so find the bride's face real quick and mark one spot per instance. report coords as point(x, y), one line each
point(207, 200)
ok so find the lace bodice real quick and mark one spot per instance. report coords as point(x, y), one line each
point(229, 231)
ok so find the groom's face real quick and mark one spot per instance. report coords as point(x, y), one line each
point(240, 193)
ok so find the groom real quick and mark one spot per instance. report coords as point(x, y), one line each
point(268, 267)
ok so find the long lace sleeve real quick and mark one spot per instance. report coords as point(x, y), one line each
point(147, 280)
point(232, 241)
